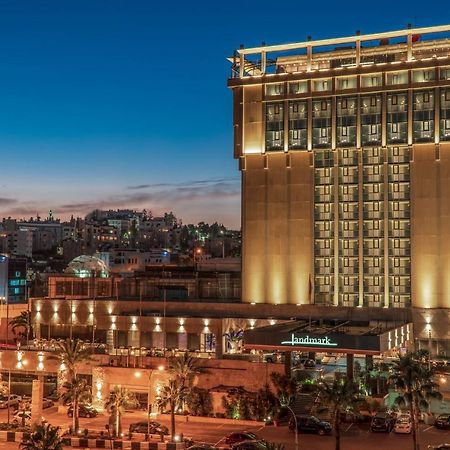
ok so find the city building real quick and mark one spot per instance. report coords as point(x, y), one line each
point(13, 280)
point(344, 151)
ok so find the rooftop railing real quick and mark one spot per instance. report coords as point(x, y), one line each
point(337, 53)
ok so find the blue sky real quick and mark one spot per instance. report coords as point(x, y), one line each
point(108, 103)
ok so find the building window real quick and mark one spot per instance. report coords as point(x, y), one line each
point(373, 129)
point(447, 95)
point(395, 127)
point(426, 125)
point(323, 105)
point(394, 100)
point(323, 132)
point(373, 101)
point(344, 103)
point(344, 131)
point(426, 97)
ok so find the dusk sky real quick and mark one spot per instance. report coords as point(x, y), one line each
point(124, 104)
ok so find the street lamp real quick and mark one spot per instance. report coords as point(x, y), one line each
point(286, 401)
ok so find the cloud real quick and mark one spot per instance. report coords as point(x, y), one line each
point(208, 181)
point(215, 199)
point(7, 201)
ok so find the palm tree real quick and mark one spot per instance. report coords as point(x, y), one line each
point(184, 368)
point(340, 396)
point(72, 353)
point(45, 437)
point(233, 339)
point(76, 391)
point(119, 399)
point(172, 395)
point(414, 382)
point(22, 322)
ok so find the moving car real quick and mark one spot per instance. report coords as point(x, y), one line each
point(83, 411)
point(236, 437)
point(383, 422)
point(403, 424)
point(148, 427)
point(310, 424)
point(443, 422)
point(13, 401)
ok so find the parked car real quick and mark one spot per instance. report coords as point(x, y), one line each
point(83, 411)
point(403, 424)
point(307, 363)
point(202, 446)
point(310, 424)
point(439, 447)
point(13, 401)
point(148, 427)
point(236, 437)
point(383, 422)
point(47, 403)
point(250, 445)
point(442, 421)
point(21, 415)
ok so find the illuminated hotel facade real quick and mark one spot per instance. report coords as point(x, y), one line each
point(344, 150)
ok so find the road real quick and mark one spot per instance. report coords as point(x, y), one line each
point(355, 437)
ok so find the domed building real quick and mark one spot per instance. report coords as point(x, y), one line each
point(85, 266)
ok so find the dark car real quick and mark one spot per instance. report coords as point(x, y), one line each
point(383, 422)
point(201, 446)
point(236, 437)
point(250, 445)
point(310, 424)
point(83, 411)
point(443, 422)
point(47, 403)
point(148, 427)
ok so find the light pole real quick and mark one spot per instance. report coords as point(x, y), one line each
point(286, 401)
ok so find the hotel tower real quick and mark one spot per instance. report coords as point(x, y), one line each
point(344, 150)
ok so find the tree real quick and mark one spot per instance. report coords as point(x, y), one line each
point(44, 437)
point(72, 353)
point(285, 387)
point(339, 397)
point(172, 395)
point(184, 368)
point(119, 399)
point(413, 380)
point(23, 323)
point(76, 391)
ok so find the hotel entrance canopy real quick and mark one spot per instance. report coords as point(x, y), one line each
point(343, 337)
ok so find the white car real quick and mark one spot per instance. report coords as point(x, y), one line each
point(13, 401)
point(403, 425)
point(22, 417)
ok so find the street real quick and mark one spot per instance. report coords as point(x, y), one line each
point(354, 437)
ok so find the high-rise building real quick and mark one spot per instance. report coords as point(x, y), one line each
point(344, 151)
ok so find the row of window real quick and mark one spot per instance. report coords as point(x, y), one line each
point(351, 82)
point(346, 122)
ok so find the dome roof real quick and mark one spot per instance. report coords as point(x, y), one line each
point(87, 266)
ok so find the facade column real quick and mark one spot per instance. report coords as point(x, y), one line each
point(37, 396)
point(350, 365)
point(287, 363)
